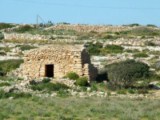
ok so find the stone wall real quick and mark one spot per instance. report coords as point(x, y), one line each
point(89, 28)
point(65, 59)
point(18, 36)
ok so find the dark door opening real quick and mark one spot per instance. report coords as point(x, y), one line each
point(49, 70)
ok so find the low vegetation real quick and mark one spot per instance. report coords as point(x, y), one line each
point(125, 73)
point(47, 86)
point(141, 55)
point(82, 81)
point(4, 95)
point(1, 36)
point(98, 49)
point(72, 76)
point(26, 47)
point(5, 25)
point(9, 65)
point(79, 108)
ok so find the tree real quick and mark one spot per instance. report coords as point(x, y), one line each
point(124, 74)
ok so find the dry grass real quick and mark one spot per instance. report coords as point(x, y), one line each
point(72, 108)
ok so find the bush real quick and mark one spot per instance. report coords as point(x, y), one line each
point(24, 28)
point(122, 91)
point(82, 81)
point(112, 49)
point(125, 73)
point(1, 36)
point(94, 49)
point(9, 65)
point(151, 25)
point(48, 86)
point(4, 95)
point(150, 43)
point(4, 84)
point(25, 47)
point(5, 25)
point(46, 80)
point(140, 55)
point(72, 75)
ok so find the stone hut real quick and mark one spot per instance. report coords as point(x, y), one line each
point(56, 61)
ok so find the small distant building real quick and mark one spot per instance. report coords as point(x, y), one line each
point(56, 61)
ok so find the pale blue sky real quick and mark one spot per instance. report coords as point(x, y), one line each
point(115, 12)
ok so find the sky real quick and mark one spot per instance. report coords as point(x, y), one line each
point(99, 12)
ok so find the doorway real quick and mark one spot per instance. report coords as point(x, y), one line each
point(49, 70)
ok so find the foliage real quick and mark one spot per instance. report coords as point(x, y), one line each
point(5, 25)
point(2, 53)
point(4, 94)
point(150, 43)
point(133, 25)
point(26, 47)
point(151, 25)
point(82, 81)
point(4, 84)
point(94, 49)
point(122, 91)
point(72, 75)
point(9, 65)
point(48, 86)
point(112, 49)
point(1, 36)
point(5, 49)
point(140, 55)
point(24, 28)
point(124, 74)
point(46, 80)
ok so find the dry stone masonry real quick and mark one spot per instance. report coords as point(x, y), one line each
point(56, 61)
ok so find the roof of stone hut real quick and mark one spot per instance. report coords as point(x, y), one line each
point(59, 48)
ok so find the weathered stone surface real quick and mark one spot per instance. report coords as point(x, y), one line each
point(63, 58)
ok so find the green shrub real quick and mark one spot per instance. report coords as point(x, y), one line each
point(151, 25)
point(46, 80)
point(124, 74)
point(24, 28)
point(25, 47)
point(134, 24)
point(94, 86)
point(132, 91)
point(4, 95)
point(9, 65)
point(150, 43)
point(6, 49)
point(112, 49)
point(82, 81)
point(140, 55)
point(1, 36)
point(4, 84)
point(72, 75)
point(48, 86)
point(109, 37)
point(63, 93)
point(122, 91)
point(2, 53)
point(5, 25)
point(94, 49)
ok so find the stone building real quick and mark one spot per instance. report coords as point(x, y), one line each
point(56, 61)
